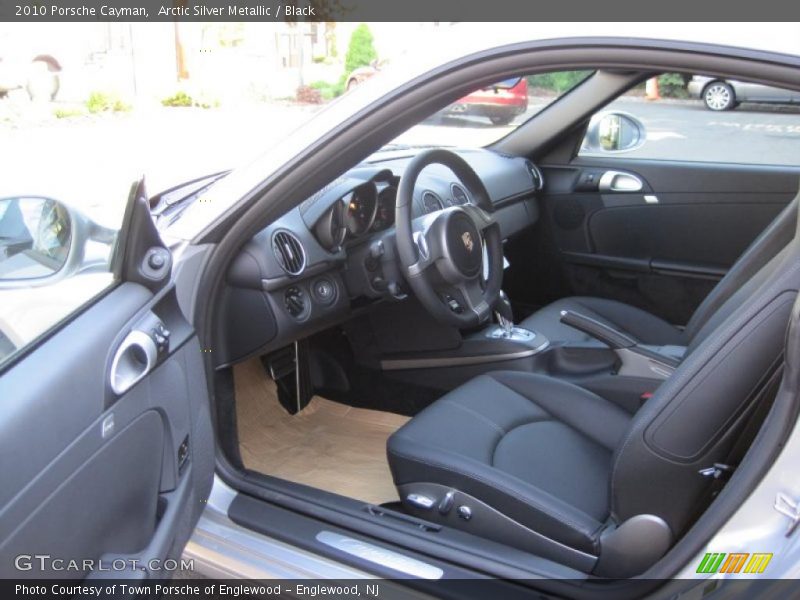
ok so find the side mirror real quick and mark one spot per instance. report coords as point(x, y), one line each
point(613, 132)
point(43, 240)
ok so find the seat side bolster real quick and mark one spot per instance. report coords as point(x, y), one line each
point(586, 412)
point(413, 461)
point(709, 390)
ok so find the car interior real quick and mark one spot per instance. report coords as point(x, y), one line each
point(552, 353)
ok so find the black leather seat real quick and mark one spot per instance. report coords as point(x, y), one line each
point(535, 448)
point(547, 466)
point(650, 329)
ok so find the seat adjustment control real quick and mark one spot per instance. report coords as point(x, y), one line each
point(465, 512)
point(420, 501)
point(446, 503)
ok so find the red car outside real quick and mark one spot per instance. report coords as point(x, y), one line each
point(500, 103)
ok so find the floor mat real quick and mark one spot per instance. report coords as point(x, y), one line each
point(327, 445)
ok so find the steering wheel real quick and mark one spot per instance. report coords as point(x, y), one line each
point(442, 253)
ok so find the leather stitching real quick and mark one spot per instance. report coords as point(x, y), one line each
point(475, 414)
point(516, 426)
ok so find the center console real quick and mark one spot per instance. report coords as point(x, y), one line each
point(612, 364)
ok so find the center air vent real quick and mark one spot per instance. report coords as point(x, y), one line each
point(459, 195)
point(289, 252)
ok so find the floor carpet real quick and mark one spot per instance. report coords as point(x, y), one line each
point(327, 445)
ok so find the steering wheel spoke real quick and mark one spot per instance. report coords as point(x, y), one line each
point(483, 219)
point(470, 295)
point(428, 249)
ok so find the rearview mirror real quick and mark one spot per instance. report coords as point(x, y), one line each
point(613, 132)
point(36, 236)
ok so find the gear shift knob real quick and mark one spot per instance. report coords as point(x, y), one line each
point(503, 313)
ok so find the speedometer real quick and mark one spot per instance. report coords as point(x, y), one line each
point(362, 204)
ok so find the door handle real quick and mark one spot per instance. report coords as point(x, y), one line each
point(135, 357)
point(617, 181)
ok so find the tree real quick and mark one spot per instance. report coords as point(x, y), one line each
point(360, 51)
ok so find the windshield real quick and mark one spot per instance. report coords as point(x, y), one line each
point(490, 113)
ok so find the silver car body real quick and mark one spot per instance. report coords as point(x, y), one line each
point(745, 91)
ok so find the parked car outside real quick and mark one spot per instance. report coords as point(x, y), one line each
point(500, 103)
point(361, 74)
point(727, 94)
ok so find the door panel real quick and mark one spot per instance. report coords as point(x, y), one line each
point(664, 247)
point(89, 473)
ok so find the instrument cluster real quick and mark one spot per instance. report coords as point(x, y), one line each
point(367, 209)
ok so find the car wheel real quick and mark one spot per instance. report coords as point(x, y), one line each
point(501, 119)
point(718, 96)
point(42, 84)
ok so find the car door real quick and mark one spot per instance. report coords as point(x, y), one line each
point(756, 92)
point(106, 451)
point(657, 225)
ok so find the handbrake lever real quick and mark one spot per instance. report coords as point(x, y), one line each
point(637, 360)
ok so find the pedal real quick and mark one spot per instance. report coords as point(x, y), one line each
point(288, 368)
point(280, 363)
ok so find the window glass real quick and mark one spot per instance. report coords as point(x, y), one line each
point(490, 113)
point(704, 119)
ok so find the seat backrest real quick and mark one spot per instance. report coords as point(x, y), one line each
point(716, 305)
point(693, 419)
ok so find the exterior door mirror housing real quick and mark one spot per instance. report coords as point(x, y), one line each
point(43, 240)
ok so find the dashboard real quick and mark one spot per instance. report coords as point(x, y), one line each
point(334, 254)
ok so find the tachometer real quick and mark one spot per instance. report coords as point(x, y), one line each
point(384, 217)
point(362, 204)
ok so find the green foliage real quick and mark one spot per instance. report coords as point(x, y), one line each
point(672, 85)
point(99, 102)
point(360, 51)
point(179, 98)
point(329, 91)
point(67, 112)
point(557, 81)
point(184, 99)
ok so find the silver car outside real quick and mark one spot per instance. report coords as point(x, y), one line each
point(727, 94)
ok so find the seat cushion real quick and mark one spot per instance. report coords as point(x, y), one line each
point(534, 448)
point(645, 327)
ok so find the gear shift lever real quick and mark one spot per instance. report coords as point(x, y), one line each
point(504, 314)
